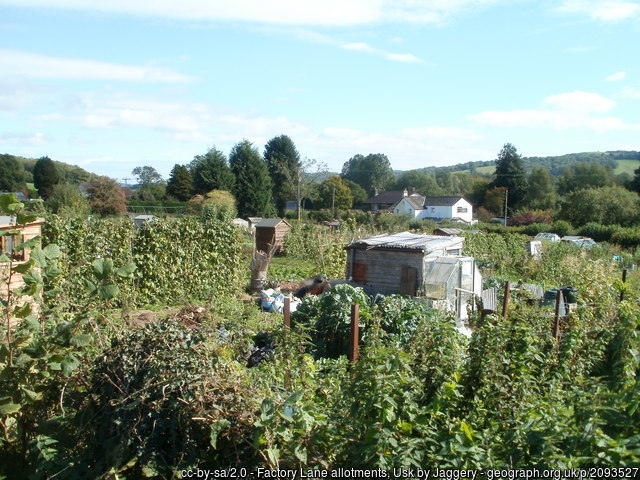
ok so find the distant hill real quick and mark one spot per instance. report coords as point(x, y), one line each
point(69, 173)
point(622, 161)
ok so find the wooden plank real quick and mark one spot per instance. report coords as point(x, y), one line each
point(408, 277)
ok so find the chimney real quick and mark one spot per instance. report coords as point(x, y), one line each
point(405, 193)
point(375, 192)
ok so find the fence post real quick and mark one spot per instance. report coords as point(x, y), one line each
point(624, 280)
point(287, 312)
point(287, 326)
point(507, 295)
point(355, 332)
point(556, 319)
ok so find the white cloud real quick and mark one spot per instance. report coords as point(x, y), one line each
point(21, 139)
point(34, 65)
point(579, 101)
point(630, 92)
point(366, 48)
point(284, 12)
point(561, 112)
point(606, 11)
point(615, 77)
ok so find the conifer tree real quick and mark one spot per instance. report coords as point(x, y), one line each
point(180, 183)
point(45, 176)
point(253, 190)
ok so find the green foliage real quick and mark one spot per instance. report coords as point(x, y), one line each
point(510, 174)
point(253, 189)
point(612, 205)
point(106, 197)
point(334, 194)
point(203, 253)
point(220, 203)
point(12, 175)
point(282, 160)
point(66, 200)
point(180, 185)
point(542, 192)
point(45, 176)
point(211, 172)
point(323, 247)
point(370, 172)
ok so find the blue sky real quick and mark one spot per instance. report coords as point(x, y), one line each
point(113, 85)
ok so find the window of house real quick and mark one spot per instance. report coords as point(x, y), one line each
point(462, 209)
point(8, 243)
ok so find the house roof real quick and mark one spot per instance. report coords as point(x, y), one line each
point(406, 241)
point(390, 197)
point(416, 201)
point(446, 201)
point(271, 223)
point(442, 201)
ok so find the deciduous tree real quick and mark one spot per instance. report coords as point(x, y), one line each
point(106, 197)
point(11, 174)
point(541, 194)
point(334, 194)
point(370, 172)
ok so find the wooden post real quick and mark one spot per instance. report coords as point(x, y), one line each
point(355, 332)
point(624, 280)
point(507, 294)
point(556, 320)
point(287, 312)
point(287, 325)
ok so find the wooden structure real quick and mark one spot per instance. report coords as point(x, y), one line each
point(270, 233)
point(7, 247)
point(395, 263)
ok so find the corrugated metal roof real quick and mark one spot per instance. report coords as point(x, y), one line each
point(407, 240)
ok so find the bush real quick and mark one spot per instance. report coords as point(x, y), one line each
point(627, 237)
point(600, 233)
point(561, 227)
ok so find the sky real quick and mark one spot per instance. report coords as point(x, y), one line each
point(111, 85)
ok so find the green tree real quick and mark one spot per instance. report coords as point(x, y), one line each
point(219, 202)
point(282, 158)
point(152, 186)
point(211, 171)
point(585, 175)
point(358, 193)
point(542, 193)
point(613, 205)
point(106, 197)
point(180, 184)
point(66, 200)
point(423, 182)
point(11, 174)
point(370, 172)
point(333, 193)
point(45, 176)
point(511, 175)
point(253, 190)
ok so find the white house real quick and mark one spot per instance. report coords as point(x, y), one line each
point(451, 207)
point(409, 205)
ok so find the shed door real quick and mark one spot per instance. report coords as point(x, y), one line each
point(408, 276)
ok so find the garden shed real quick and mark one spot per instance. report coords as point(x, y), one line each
point(396, 263)
point(270, 232)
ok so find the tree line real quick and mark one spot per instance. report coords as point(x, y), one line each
point(248, 183)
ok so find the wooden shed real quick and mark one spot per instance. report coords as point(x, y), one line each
point(395, 263)
point(270, 232)
point(7, 245)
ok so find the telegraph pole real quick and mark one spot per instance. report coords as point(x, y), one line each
point(506, 196)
